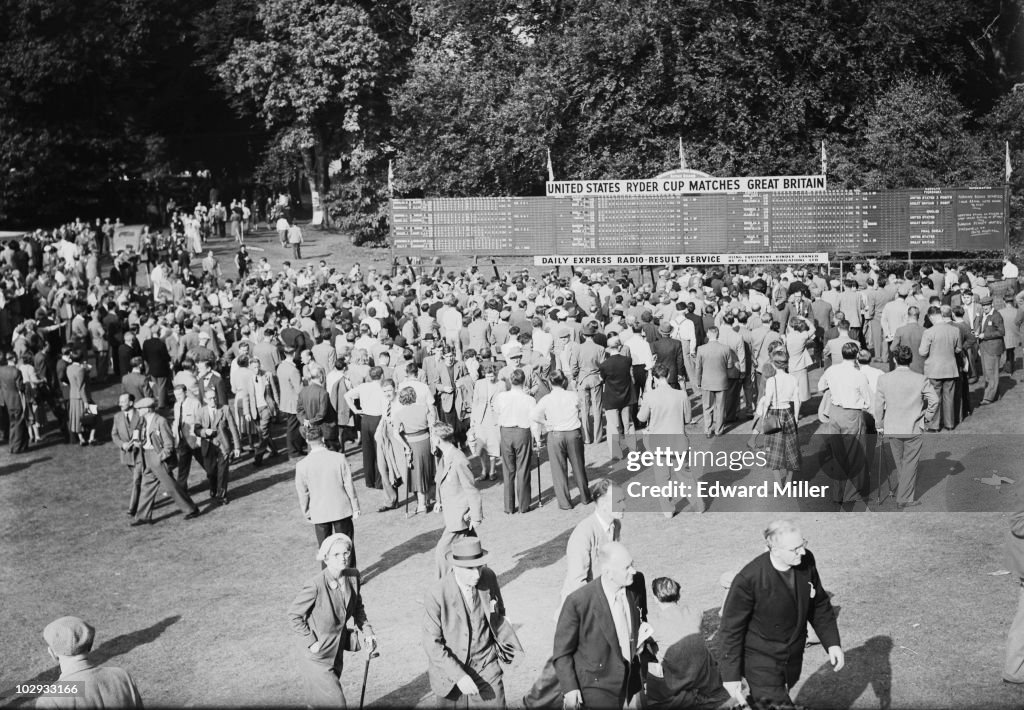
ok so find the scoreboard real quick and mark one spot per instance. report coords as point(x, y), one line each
point(933, 219)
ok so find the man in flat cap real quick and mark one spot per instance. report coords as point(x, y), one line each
point(990, 331)
point(319, 614)
point(465, 634)
point(157, 447)
point(69, 641)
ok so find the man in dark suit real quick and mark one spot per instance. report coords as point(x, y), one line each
point(668, 351)
point(134, 382)
point(158, 362)
point(990, 331)
point(126, 351)
point(905, 402)
point(12, 400)
point(600, 634)
point(313, 408)
point(465, 634)
point(763, 632)
point(715, 362)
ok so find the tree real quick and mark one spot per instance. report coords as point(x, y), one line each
point(309, 75)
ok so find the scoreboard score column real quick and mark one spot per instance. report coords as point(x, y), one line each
point(934, 219)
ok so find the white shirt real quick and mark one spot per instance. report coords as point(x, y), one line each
point(420, 388)
point(558, 411)
point(640, 351)
point(1010, 271)
point(872, 373)
point(542, 342)
point(616, 601)
point(513, 408)
point(849, 386)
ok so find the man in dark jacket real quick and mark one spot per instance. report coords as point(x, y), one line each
point(763, 631)
point(158, 362)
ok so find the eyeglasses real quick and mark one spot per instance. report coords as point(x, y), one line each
point(802, 547)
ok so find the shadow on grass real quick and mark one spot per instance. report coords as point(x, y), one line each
point(408, 696)
point(424, 542)
point(259, 484)
point(21, 465)
point(117, 646)
point(542, 555)
point(866, 666)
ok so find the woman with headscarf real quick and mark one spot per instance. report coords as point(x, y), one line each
point(319, 615)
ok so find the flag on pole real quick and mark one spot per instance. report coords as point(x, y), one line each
point(551, 170)
point(824, 158)
point(682, 155)
point(391, 179)
point(1009, 168)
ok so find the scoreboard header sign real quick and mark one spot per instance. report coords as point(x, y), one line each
point(836, 221)
point(688, 186)
point(681, 259)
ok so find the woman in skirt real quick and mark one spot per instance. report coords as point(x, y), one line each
point(414, 420)
point(79, 398)
point(782, 398)
point(799, 341)
point(483, 421)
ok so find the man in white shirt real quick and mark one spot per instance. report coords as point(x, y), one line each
point(559, 412)
point(850, 392)
point(513, 408)
point(370, 396)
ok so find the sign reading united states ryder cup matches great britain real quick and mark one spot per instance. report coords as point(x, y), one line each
point(676, 216)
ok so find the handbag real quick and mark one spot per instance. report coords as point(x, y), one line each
point(772, 422)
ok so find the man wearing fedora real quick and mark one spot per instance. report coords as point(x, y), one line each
point(69, 641)
point(319, 614)
point(465, 634)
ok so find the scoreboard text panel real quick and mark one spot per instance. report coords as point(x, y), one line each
point(836, 221)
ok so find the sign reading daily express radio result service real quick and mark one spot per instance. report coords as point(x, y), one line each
point(720, 220)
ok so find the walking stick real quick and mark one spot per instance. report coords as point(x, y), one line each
point(540, 498)
point(366, 672)
point(881, 458)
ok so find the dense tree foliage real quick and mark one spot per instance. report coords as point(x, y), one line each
point(465, 96)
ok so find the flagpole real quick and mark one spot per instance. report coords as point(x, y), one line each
point(551, 170)
point(1006, 202)
point(682, 155)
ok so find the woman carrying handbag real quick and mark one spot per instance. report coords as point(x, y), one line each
point(777, 414)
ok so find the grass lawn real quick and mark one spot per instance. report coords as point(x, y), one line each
point(196, 610)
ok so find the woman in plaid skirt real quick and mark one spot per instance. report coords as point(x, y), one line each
point(782, 397)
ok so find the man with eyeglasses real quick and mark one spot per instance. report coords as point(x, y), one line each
point(765, 617)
